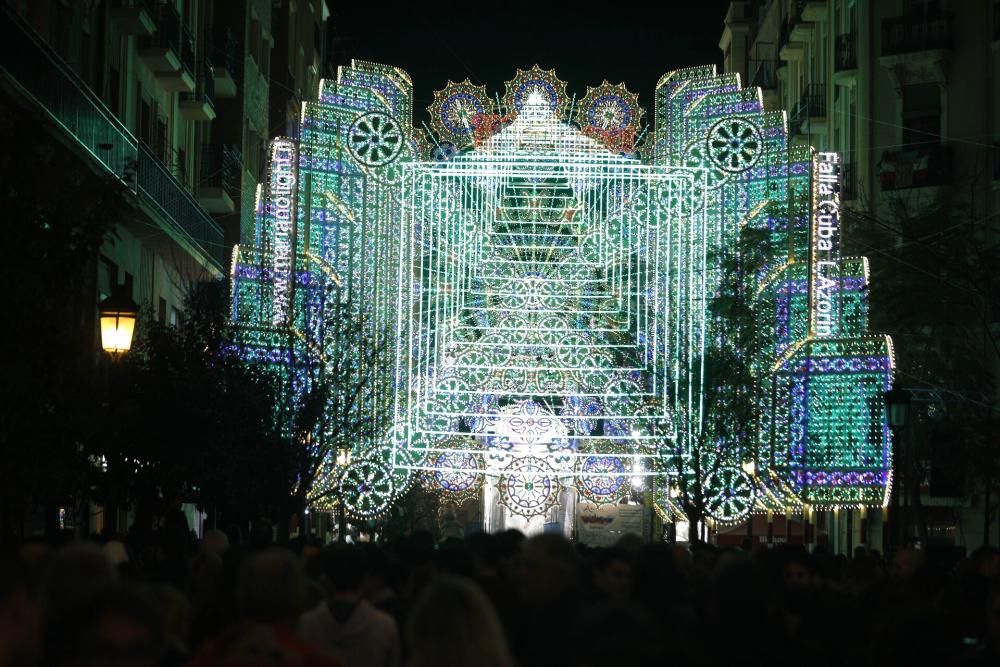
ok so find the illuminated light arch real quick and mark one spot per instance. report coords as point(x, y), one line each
point(543, 294)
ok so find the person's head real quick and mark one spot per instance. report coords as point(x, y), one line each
point(452, 623)
point(174, 612)
point(120, 629)
point(613, 573)
point(376, 569)
point(906, 563)
point(215, 542)
point(797, 569)
point(986, 562)
point(549, 569)
point(79, 573)
point(272, 588)
point(343, 569)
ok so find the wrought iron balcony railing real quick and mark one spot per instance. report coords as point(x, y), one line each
point(812, 104)
point(908, 34)
point(37, 72)
point(918, 167)
point(172, 34)
point(204, 92)
point(226, 55)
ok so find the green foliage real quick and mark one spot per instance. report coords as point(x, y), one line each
point(199, 422)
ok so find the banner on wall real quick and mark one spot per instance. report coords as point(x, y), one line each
point(603, 525)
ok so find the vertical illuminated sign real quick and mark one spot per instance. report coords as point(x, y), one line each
point(281, 206)
point(825, 246)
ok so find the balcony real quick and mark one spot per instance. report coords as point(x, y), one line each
point(134, 17)
point(814, 11)
point(919, 167)
point(200, 105)
point(789, 48)
point(845, 60)
point(36, 73)
point(809, 116)
point(225, 57)
point(169, 52)
point(913, 34)
point(221, 167)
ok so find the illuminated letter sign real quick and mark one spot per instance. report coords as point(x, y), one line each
point(825, 246)
point(282, 210)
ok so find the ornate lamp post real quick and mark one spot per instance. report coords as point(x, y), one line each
point(117, 314)
point(897, 403)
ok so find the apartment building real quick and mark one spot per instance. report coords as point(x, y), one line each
point(907, 91)
point(169, 97)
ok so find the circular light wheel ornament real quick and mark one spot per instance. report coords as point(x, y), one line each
point(734, 145)
point(528, 487)
point(375, 139)
point(366, 488)
point(730, 495)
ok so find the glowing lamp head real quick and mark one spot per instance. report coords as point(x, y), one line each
point(118, 314)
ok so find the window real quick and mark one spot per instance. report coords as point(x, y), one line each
point(161, 311)
point(175, 317)
point(107, 277)
point(921, 115)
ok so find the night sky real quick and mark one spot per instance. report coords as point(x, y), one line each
point(487, 41)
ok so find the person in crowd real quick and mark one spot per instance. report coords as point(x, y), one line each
point(347, 624)
point(613, 574)
point(20, 613)
point(375, 585)
point(453, 624)
point(215, 542)
point(270, 595)
point(550, 588)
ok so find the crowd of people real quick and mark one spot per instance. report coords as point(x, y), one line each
point(494, 600)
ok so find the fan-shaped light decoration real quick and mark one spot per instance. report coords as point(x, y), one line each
point(457, 475)
point(611, 114)
point(536, 84)
point(602, 479)
point(456, 110)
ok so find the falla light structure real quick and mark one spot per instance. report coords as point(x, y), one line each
point(537, 271)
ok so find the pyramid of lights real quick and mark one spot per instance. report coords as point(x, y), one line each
point(537, 271)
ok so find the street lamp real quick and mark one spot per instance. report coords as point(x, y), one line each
point(118, 314)
point(897, 405)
